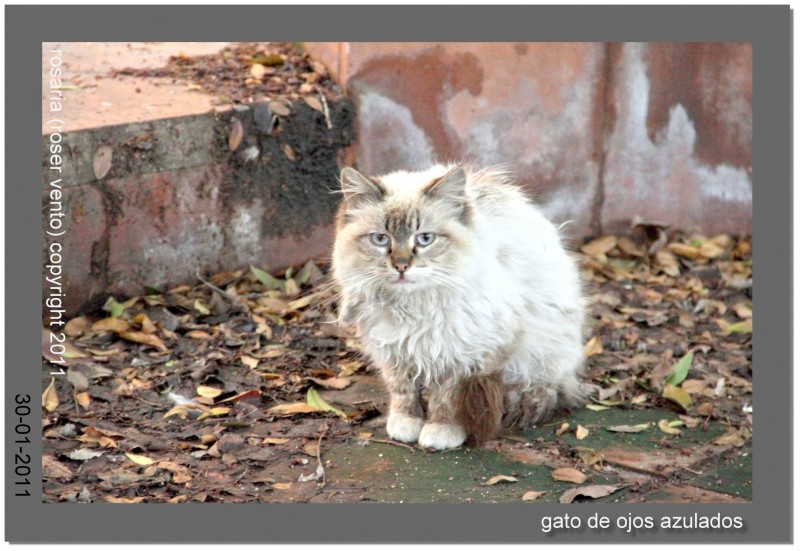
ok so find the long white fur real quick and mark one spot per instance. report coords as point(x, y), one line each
point(530, 308)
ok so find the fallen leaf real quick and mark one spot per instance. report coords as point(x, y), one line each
point(532, 495)
point(694, 386)
point(275, 440)
point(293, 408)
point(112, 499)
point(690, 422)
point(588, 491)
point(679, 370)
point(282, 485)
point(77, 326)
point(115, 325)
point(142, 338)
point(78, 379)
point(208, 392)
point(737, 438)
point(270, 281)
point(581, 432)
point(253, 393)
point(101, 162)
point(315, 400)
point(50, 397)
point(666, 428)
point(140, 459)
point(596, 407)
point(337, 383)
point(279, 107)
point(314, 103)
point(349, 367)
point(215, 412)
point(562, 429)
point(200, 307)
point(629, 428)
point(252, 363)
point(83, 454)
point(677, 395)
point(741, 309)
point(83, 399)
point(257, 70)
point(666, 262)
point(706, 409)
point(54, 469)
point(145, 323)
point(568, 475)
point(236, 134)
point(593, 346)
point(198, 335)
point(588, 456)
point(740, 327)
point(598, 248)
point(499, 478)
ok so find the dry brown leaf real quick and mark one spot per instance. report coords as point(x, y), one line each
point(257, 70)
point(285, 410)
point(282, 485)
point(314, 103)
point(581, 432)
point(741, 309)
point(198, 335)
point(706, 409)
point(142, 338)
point(252, 363)
point(115, 325)
point(236, 134)
point(144, 322)
point(349, 367)
point(208, 392)
point(83, 399)
point(690, 422)
point(275, 440)
point(665, 428)
point(532, 495)
point(666, 262)
point(593, 346)
point(694, 386)
point(336, 383)
point(50, 397)
point(686, 251)
point(597, 248)
point(279, 107)
point(140, 459)
point(101, 162)
point(562, 429)
point(593, 492)
point(499, 478)
point(677, 395)
point(568, 475)
point(112, 499)
point(77, 326)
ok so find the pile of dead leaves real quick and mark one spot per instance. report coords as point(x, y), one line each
point(228, 390)
point(672, 322)
point(248, 71)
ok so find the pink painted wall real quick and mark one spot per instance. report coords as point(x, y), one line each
point(598, 133)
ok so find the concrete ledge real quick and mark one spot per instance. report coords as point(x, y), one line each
point(178, 198)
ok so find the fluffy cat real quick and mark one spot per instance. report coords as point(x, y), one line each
point(458, 286)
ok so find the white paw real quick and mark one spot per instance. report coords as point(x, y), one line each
point(441, 437)
point(404, 428)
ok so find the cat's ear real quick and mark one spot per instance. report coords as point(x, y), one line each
point(451, 186)
point(357, 188)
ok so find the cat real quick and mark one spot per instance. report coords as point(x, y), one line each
point(458, 286)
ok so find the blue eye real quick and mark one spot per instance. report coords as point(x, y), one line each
point(379, 239)
point(425, 239)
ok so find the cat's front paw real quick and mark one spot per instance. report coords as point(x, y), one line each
point(404, 428)
point(442, 437)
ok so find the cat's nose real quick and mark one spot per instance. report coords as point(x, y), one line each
point(400, 264)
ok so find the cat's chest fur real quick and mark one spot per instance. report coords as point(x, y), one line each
point(434, 336)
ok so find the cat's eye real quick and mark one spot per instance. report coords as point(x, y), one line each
point(379, 239)
point(425, 239)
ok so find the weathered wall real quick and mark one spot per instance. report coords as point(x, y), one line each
point(598, 133)
point(177, 199)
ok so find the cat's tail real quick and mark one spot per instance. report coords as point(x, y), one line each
point(487, 406)
point(479, 401)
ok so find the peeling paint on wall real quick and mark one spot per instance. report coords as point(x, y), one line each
point(645, 176)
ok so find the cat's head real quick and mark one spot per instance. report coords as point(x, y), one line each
point(402, 232)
